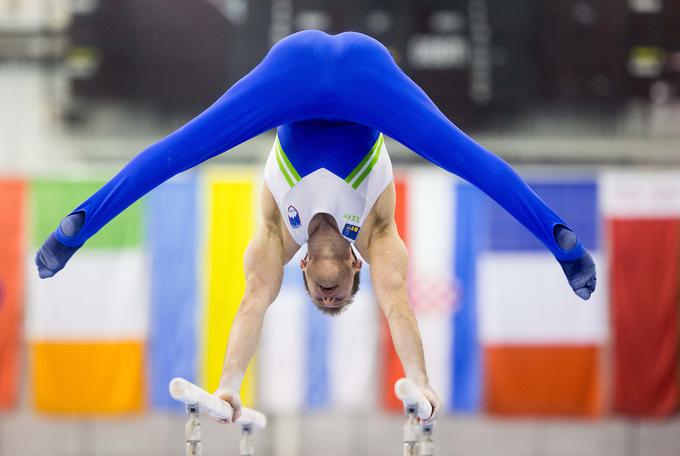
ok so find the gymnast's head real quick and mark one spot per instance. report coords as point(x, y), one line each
point(332, 281)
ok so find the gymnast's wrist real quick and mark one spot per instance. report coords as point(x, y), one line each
point(230, 382)
point(419, 378)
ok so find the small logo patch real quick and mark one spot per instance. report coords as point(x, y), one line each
point(294, 217)
point(350, 231)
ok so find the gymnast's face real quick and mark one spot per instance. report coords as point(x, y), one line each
point(331, 282)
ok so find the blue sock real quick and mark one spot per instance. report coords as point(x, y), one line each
point(53, 255)
point(580, 272)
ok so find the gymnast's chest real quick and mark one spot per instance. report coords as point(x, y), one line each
point(321, 192)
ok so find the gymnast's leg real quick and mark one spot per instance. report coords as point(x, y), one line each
point(313, 75)
point(372, 90)
point(283, 88)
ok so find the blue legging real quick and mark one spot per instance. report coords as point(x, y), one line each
point(312, 75)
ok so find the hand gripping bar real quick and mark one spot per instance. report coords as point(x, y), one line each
point(190, 394)
point(411, 396)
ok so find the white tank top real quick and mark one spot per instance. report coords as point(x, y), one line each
point(348, 200)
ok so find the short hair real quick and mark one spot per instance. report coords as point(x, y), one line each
point(335, 311)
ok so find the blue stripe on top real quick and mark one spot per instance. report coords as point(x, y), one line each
point(466, 365)
point(576, 202)
point(336, 145)
point(317, 392)
point(172, 241)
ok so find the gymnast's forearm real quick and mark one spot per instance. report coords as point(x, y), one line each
point(243, 340)
point(263, 265)
point(408, 343)
point(389, 262)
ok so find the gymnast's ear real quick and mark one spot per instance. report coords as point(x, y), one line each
point(303, 263)
point(357, 264)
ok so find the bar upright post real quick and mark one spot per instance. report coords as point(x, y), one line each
point(246, 444)
point(193, 432)
point(426, 441)
point(410, 432)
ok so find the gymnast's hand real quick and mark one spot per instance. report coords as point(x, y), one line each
point(431, 396)
point(53, 255)
point(233, 398)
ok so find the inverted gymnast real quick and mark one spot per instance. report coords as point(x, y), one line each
point(329, 184)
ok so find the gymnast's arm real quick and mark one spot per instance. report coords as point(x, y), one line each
point(387, 255)
point(388, 259)
point(264, 259)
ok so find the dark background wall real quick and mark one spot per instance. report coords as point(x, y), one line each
point(476, 58)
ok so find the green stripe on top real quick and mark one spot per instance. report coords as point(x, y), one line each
point(289, 166)
point(368, 169)
point(283, 169)
point(359, 167)
point(52, 200)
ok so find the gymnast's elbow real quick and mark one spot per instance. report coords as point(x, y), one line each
point(251, 308)
point(390, 281)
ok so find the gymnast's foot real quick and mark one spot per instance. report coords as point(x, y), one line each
point(53, 255)
point(580, 272)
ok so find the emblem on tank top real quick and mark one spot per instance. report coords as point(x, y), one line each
point(350, 231)
point(294, 217)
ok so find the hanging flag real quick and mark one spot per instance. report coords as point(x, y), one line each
point(431, 278)
point(352, 348)
point(231, 217)
point(542, 344)
point(87, 325)
point(308, 360)
point(466, 366)
point(12, 201)
point(283, 359)
point(172, 221)
point(317, 389)
point(425, 216)
point(643, 227)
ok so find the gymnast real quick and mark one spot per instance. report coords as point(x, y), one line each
point(328, 183)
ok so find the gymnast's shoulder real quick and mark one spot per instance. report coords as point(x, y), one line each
point(379, 222)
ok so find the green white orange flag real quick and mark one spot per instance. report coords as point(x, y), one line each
point(87, 325)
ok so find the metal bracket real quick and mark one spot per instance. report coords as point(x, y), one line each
point(426, 441)
point(193, 432)
point(418, 439)
point(246, 444)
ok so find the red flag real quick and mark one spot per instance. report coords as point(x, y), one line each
point(392, 370)
point(645, 292)
point(11, 287)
